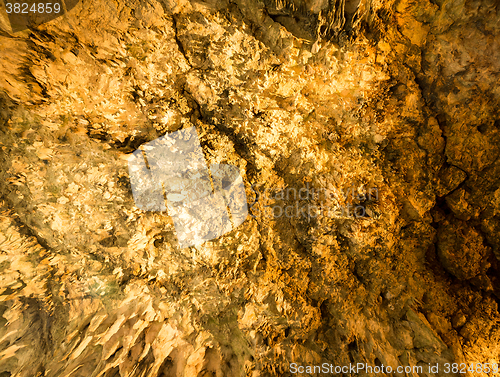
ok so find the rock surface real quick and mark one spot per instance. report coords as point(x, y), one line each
point(384, 114)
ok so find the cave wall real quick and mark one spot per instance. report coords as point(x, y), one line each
point(386, 110)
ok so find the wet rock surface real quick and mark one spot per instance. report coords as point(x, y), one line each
point(366, 133)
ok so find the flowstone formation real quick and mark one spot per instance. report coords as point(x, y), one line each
point(366, 133)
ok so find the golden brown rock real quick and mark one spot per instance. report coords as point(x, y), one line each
point(367, 135)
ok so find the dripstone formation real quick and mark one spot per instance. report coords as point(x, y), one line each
point(367, 136)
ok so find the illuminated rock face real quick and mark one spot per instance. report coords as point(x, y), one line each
point(367, 139)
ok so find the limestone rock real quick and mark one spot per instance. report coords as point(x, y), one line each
point(366, 134)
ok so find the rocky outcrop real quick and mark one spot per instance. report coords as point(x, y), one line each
point(367, 137)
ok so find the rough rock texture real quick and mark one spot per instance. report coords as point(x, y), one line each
point(397, 99)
